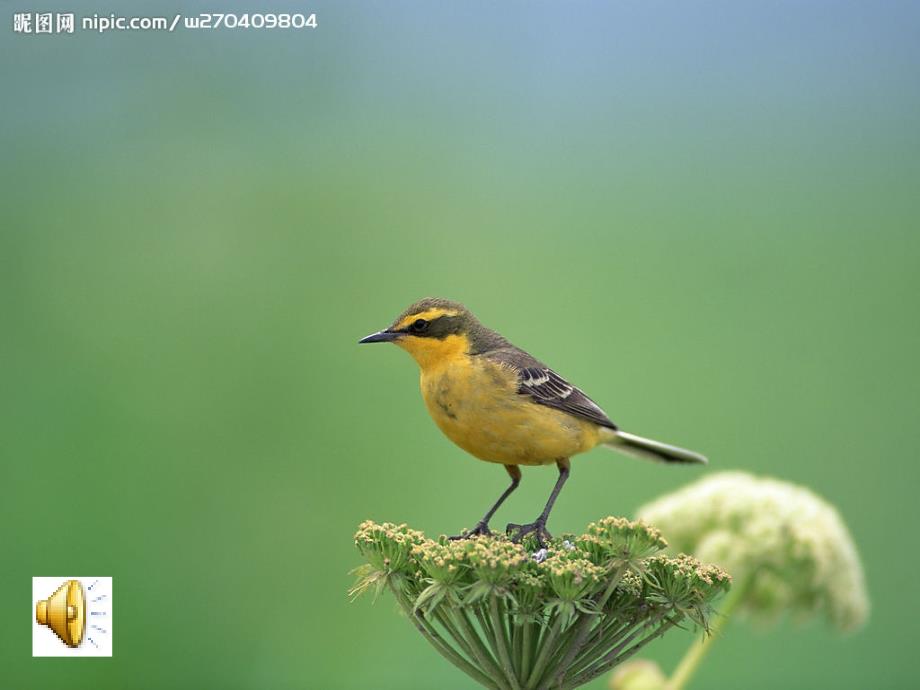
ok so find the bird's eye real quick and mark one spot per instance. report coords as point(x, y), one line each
point(419, 326)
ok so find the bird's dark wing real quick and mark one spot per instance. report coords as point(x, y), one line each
point(545, 387)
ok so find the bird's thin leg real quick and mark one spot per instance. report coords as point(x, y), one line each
point(482, 527)
point(538, 526)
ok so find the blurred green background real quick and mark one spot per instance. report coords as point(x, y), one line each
point(706, 216)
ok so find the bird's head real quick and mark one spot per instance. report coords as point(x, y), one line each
point(433, 329)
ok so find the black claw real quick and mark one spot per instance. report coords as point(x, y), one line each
point(480, 530)
point(537, 529)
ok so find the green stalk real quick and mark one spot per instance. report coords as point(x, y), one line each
point(547, 646)
point(527, 651)
point(611, 656)
point(698, 650)
point(438, 642)
point(452, 630)
point(610, 637)
point(593, 672)
point(482, 654)
point(581, 631)
point(502, 643)
point(663, 627)
point(517, 645)
point(486, 624)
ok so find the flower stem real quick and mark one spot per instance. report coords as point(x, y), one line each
point(584, 627)
point(517, 645)
point(527, 651)
point(432, 635)
point(451, 629)
point(501, 643)
point(621, 652)
point(698, 650)
point(607, 639)
point(547, 646)
point(482, 654)
point(486, 624)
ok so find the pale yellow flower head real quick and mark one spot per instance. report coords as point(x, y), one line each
point(789, 546)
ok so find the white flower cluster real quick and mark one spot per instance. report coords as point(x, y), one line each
point(787, 546)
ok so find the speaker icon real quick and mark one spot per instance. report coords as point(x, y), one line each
point(65, 612)
point(71, 616)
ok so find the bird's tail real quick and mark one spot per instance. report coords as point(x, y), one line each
point(646, 448)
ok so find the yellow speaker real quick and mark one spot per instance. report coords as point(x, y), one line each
point(65, 612)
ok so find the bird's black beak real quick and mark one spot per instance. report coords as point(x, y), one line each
point(380, 337)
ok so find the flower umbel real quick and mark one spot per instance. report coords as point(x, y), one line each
point(682, 583)
point(788, 545)
point(515, 622)
point(618, 541)
point(388, 549)
point(787, 548)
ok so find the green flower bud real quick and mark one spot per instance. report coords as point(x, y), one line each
point(443, 563)
point(494, 561)
point(613, 542)
point(387, 547)
point(571, 579)
point(684, 584)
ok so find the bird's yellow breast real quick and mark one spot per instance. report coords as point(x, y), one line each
point(475, 402)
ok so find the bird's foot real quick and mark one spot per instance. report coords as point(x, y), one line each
point(536, 528)
point(480, 530)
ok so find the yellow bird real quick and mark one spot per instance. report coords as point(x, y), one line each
point(501, 405)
